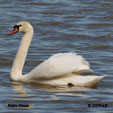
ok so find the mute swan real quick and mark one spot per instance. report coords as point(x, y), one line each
point(59, 69)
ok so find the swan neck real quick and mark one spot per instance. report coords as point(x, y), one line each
point(18, 64)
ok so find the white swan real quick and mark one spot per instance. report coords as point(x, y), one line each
point(59, 69)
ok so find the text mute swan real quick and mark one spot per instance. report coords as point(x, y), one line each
point(59, 69)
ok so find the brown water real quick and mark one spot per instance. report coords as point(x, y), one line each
point(84, 27)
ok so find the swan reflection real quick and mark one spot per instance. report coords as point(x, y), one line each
point(62, 90)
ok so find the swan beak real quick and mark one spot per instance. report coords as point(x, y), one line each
point(14, 31)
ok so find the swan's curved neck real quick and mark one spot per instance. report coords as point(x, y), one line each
point(16, 71)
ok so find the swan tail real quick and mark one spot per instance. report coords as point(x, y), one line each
point(94, 81)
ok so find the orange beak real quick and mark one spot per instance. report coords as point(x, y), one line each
point(14, 31)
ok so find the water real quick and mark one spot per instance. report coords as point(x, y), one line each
point(84, 27)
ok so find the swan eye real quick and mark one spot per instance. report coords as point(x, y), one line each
point(17, 26)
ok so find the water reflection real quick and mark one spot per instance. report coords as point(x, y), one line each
point(21, 96)
point(19, 87)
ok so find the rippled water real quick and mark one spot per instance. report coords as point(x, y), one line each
point(84, 27)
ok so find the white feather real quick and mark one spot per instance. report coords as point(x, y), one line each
point(58, 65)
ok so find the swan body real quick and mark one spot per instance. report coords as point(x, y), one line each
point(59, 69)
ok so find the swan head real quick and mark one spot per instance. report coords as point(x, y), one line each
point(22, 27)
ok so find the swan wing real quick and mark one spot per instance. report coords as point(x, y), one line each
point(59, 65)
